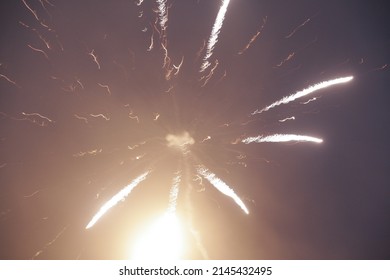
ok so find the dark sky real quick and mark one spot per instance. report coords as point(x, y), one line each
point(67, 122)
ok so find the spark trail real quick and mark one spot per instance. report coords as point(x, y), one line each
point(162, 13)
point(214, 34)
point(305, 92)
point(254, 37)
point(221, 186)
point(116, 198)
point(173, 194)
point(282, 138)
point(9, 80)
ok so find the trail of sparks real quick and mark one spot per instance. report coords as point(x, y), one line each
point(37, 115)
point(173, 194)
point(38, 50)
point(163, 13)
point(91, 153)
point(254, 37)
point(50, 243)
point(9, 80)
point(305, 92)
point(31, 10)
point(81, 118)
point(287, 119)
point(209, 75)
point(297, 28)
point(214, 34)
point(100, 115)
point(222, 187)
point(116, 198)
point(282, 138)
point(290, 56)
point(106, 87)
point(308, 101)
point(94, 57)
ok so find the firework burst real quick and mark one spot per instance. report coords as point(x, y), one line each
point(147, 103)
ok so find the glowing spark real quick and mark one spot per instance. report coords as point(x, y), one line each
point(308, 101)
point(31, 195)
point(222, 187)
point(9, 80)
point(305, 92)
point(106, 87)
point(94, 57)
point(287, 119)
point(167, 59)
point(291, 55)
point(169, 89)
point(281, 138)
point(116, 198)
point(91, 153)
point(179, 66)
point(31, 10)
point(156, 116)
point(81, 118)
point(297, 28)
point(254, 37)
point(44, 7)
point(79, 82)
point(205, 139)
point(214, 34)
point(50, 243)
point(38, 34)
point(101, 116)
point(222, 77)
point(208, 77)
point(37, 114)
point(151, 42)
point(38, 50)
point(131, 116)
point(35, 14)
point(199, 52)
point(163, 13)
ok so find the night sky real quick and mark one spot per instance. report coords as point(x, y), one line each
point(75, 131)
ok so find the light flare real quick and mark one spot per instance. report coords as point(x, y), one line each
point(163, 240)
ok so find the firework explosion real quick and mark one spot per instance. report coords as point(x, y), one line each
point(129, 107)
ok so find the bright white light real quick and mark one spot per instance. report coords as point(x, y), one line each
point(222, 187)
point(214, 34)
point(116, 198)
point(305, 92)
point(163, 13)
point(179, 141)
point(282, 138)
point(162, 241)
